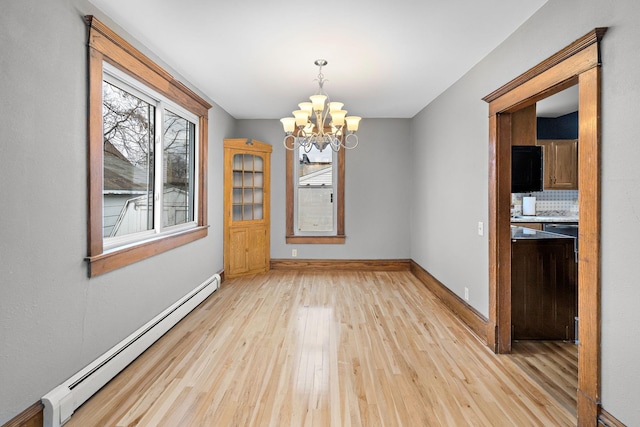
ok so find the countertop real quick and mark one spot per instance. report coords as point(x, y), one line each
point(523, 233)
point(552, 216)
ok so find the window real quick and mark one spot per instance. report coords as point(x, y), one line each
point(148, 162)
point(315, 196)
point(147, 156)
point(314, 210)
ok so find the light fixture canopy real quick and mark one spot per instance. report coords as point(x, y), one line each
point(320, 123)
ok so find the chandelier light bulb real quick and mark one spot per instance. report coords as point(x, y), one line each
point(306, 106)
point(301, 117)
point(333, 106)
point(352, 123)
point(289, 124)
point(318, 102)
point(337, 117)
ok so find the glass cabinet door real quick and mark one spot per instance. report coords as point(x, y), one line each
point(248, 187)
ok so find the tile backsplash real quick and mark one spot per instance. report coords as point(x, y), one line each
point(557, 201)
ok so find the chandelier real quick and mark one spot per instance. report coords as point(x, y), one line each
point(320, 123)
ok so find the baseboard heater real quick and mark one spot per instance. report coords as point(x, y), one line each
point(61, 402)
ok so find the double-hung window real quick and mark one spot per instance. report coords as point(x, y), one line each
point(147, 156)
point(314, 176)
point(315, 196)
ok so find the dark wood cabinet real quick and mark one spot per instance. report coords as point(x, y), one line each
point(543, 289)
point(560, 164)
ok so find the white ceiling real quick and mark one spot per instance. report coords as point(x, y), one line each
point(255, 58)
point(557, 105)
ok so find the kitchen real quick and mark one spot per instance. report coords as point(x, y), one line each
point(544, 240)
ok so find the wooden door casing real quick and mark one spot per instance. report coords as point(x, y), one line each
point(578, 63)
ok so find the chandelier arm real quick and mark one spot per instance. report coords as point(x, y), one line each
point(335, 143)
point(292, 139)
point(307, 145)
point(346, 141)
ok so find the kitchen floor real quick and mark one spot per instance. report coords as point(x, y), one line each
point(551, 364)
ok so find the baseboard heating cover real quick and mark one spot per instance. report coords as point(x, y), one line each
point(61, 402)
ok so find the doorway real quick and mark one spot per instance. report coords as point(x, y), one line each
point(578, 63)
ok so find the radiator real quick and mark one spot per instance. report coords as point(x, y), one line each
point(61, 402)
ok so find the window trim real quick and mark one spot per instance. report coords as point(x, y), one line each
point(107, 46)
point(291, 237)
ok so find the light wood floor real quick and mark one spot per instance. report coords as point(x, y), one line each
point(322, 349)
point(553, 365)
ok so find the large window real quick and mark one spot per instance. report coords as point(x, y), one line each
point(147, 156)
point(148, 161)
point(315, 196)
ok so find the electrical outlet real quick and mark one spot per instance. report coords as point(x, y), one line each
point(480, 228)
point(294, 252)
point(466, 294)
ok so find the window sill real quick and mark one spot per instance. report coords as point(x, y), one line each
point(316, 239)
point(109, 261)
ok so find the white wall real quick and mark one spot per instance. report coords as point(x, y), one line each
point(449, 176)
point(450, 141)
point(53, 319)
point(377, 192)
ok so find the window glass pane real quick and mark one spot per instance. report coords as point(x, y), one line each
point(248, 162)
point(247, 212)
point(237, 196)
point(128, 135)
point(315, 210)
point(248, 179)
point(258, 180)
point(248, 196)
point(258, 163)
point(257, 211)
point(178, 147)
point(237, 212)
point(237, 179)
point(237, 162)
point(315, 167)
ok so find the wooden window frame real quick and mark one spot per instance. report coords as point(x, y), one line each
point(339, 237)
point(107, 46)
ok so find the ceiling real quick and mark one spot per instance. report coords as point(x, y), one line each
point(255, 58)
point(557, 105)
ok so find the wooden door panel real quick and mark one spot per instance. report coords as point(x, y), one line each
point(237, 251)
point(257, 241)
point(566, 164)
